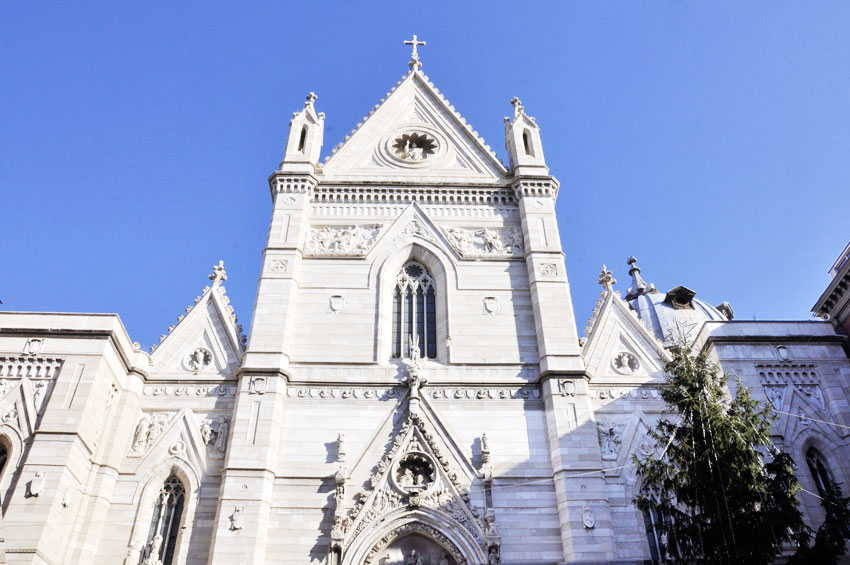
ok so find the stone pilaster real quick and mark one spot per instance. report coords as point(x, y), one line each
point(585, 518)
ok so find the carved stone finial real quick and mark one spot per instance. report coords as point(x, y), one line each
point(606, 279)
point(219, 274)
point(639, 286)
point(518, 107)
point(311, 98)
point(414, 57)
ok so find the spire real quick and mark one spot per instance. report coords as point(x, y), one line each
point(639, 286)
point(414, 57)
point(522, 140)
point(606, 279)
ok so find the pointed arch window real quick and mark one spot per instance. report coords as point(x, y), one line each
point(414, 312)
point(302, 141)
point(820, 470)
point(526, 142)
point(165, 523)
point(4, 455)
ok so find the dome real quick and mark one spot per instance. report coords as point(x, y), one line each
point(673, 315)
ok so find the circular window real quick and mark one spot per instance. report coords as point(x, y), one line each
point(413, 147)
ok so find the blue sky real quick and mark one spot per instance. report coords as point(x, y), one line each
point(711, 140)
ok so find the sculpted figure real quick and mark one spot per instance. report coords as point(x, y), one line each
point(221, 434)
point(206, 432)
point(140, 437)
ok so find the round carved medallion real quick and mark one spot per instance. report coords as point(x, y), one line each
point(414, 146)
point(414, 473)
point(198, 359)
point(625, 363)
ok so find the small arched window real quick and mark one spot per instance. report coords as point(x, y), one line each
point(165, 524)
point(819, 470)
point(4, 455)
point(526, 142)
point(654, 520)
point(302, 141)
point(414, 312)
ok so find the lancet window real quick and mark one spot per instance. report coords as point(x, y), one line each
point(165, 524)
point(4, 455)
point(414, 313)
point(819, 470)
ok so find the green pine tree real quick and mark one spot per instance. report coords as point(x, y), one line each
point(719, 501)
point(831, 539)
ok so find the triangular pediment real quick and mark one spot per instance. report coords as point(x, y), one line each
point(421, 471)
point(619, 346)
point(414, 135)
point(412, 225)
point(199, 438)
point(205, 343)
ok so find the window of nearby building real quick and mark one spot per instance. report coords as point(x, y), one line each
point(165, 524)
point(414, 312)
point(819, 470)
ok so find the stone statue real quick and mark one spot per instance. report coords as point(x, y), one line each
point(140, 437)
point(206, 432)
point(222, 433)
point(153, 554)
point(340, 447)
point(415, 558)
point(237, 519)
point(444, 559)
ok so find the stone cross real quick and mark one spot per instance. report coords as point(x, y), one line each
point(218, 274)
point(414, 57)
point(605, 278)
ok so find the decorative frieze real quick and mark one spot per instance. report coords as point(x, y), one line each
point(486, 243)
point(345, 241)
point(189, 390)
point(642, 393)
point(435, 393)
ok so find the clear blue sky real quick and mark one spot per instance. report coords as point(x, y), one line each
point(711, 140)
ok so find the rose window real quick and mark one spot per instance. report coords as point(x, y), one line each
point(414, 146)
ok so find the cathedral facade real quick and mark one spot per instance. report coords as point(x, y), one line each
point(413, 391)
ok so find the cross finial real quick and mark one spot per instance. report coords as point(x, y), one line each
point(218, 274)
point(606, 279)
point(414, 57)
point(311, 97)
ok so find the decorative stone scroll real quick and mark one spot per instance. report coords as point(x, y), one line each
point(189, 390)
point(486, 242)
point(355, 393)
point(461, 393)
point(348, 241)
point(642, 393)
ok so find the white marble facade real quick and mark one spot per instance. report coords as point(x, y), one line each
point(504, 438)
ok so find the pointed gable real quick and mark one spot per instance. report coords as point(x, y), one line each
point(414, 134)
point(206, 341)
point(616, 331)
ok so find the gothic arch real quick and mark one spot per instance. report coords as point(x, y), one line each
point(146, 494)
point(14, 444)
point(386, 267)
point(433, 524)
point(831, 450)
